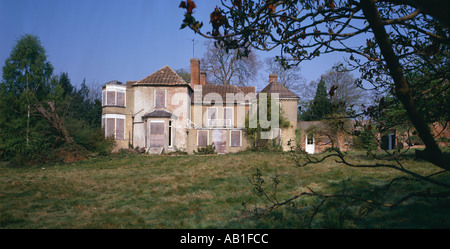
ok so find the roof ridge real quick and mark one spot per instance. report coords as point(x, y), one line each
point(283, 91)
point(173, 71)
point(166, 70)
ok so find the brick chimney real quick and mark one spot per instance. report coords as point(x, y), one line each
point(273, 77)
point(195, 71)
point(202, 78)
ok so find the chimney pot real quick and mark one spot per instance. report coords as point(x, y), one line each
point(202, 78)
point(195, 71)
point(273, 77)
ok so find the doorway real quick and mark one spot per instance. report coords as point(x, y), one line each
point(309, 148)
point(156, 134)
point(219, 139)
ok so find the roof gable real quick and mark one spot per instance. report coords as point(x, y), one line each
point(276, 87)
point(164, 76)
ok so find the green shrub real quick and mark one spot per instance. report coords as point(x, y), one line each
point(365, 140)
point(91, 138)
point(209, 149)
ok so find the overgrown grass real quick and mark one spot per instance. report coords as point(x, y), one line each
point(197, 191)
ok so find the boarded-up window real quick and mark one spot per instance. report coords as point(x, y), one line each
point(235, 138)
point(120, 98)
point(219, 140)
point(114, 127)
point(156, 134)
point(111, 98)
point(103, 98)
point(228, 116)
point(110, 127)
point(212, 113)
point(160, 98)
point(120, 129)
point(202, 138)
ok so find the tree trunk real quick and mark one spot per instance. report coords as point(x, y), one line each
point(57, 123)
point(28, 111)
point(432, 153)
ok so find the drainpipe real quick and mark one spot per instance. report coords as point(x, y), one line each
point(132, 127)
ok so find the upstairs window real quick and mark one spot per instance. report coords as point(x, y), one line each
point(113, 98)
point(228, 116)
point(211, 116)
point(160, 98)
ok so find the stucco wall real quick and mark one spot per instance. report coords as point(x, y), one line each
point(177, 103)
point(289, 108)
point(192, 141)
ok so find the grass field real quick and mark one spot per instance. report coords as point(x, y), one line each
point(185, 191)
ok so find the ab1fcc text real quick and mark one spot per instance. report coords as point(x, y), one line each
point(232, 238)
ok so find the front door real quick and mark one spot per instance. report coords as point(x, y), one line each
point(219, 139)
point(157, 136)
point(309, 148)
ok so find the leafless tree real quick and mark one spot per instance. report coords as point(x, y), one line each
point(346, 93)
point(227, 67)
point(288, 77)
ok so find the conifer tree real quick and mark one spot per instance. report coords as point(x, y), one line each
point(26, 78)
point(320, 105)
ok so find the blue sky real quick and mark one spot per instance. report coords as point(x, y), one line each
point(103, 40)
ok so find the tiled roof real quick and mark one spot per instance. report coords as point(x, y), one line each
point(248, 89)
point(165, 76)
point(276, 87)
point(158, 114)
point(130, 82)
point(113, 82)
point(208, 91)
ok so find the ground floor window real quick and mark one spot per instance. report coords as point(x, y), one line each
point(114, 125)
point(157, 134)
point(235, 138)
point(202, 138)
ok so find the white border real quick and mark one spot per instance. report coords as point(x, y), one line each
point(240, 138)
point(115, 90)
point(115, 117)
point(207, 137)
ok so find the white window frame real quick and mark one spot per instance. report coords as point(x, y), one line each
point(207, 115)
point(165, 98)
point(115, 117)
point(232, 116)
point(240, 138)
point(114, 89)
point(207, 137)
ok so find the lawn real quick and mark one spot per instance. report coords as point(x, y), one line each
point(202, 191)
